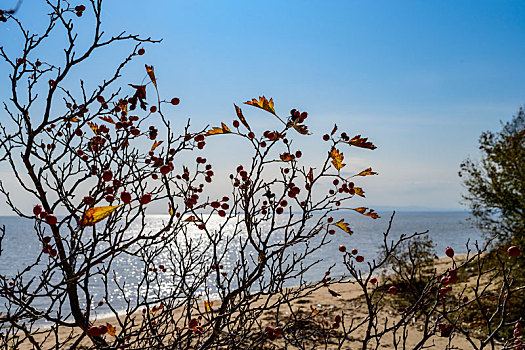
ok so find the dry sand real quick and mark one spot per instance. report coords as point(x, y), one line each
point(349, 303)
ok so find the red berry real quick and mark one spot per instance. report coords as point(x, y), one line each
point(110, 198)
point(326, 137)
point(342, 248)
point(145, 199)
point(222, 213)
point(175, 101)
point(37, 209)
point(125, 197)
point(279, 210)
point(164, 169)
point(141, 51)
point(298, 154)
point(100, 303)
point(236, 124)
point(251, 135)
point(51, 219)
point(332, 232)
point(153, 109)
point(338, 319)
point(107, 175)
point(373, 280)
point(354, 251)
point(284, 203)
point(392, 290)
point(514, 251)
point(449, 252)
point(359, 258)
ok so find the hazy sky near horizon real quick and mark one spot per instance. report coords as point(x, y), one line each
point(421, 79)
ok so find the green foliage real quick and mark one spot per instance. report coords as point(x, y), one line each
point(412, 264)
point(496, 184)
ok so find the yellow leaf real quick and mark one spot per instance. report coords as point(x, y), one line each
point(155, 145)
point(191, 218)
point(208, 305)
point(74, 119)
point(337, 159)
point(263, 103)
point(216, 130)
point(96, 214)
point(241, 117)
point(111, 330)
point(108, 119)
point(151, 73)
point(343, 226)
point(260, 257)
point(359, 141)
point(170, 210)
point(93, 127)
point(366, 172)
point(311, 175)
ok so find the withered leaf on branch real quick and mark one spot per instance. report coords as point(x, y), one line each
point(366, 172)
point(371, 213)
point(241, 117)
point(155, 145)
point(151, 72)
point(337, 159)
point(216, 130)
point(362, 142)
point(96, 214)
point(262, 103)
point(343, 226)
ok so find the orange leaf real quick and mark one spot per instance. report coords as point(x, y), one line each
point(108, 119)
point(216, 130)
point(191, 218)
point(208, 305)
point(73, 119)
point(366, 172)
point(337, 159)
point(358, 141)
point(96, 214)
point(155, 145)
point(343, 226)
point(263, 103)
point(93, 127)
point(311, 175)
point(111, 330)
point(371, 213)
point(156, 308)
point(170, 210)
point(151, 73)
point(286, 157)
point(241, 117)
point(334, 130)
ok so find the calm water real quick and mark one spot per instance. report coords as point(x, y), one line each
point(20, 246)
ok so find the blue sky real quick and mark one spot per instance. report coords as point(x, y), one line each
point(422, 79)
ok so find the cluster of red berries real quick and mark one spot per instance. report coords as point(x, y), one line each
point(97, 331)
point(293, 190)
point(221, 207)
point(48, 248)
point(337, 322)
point(50, 218)
point(153, 132)
point(273, 333)
point(2, 17)
point(297, 117)
point(80, 10)
point(200, 141)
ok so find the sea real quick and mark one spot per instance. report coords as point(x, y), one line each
point(20, 247)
